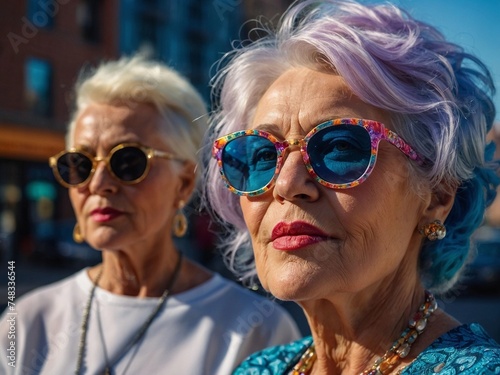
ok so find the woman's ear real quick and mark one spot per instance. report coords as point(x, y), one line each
point(187, 176)
point(440, 203)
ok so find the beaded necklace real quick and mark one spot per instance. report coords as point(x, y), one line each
point(392, 358)
point(139, 334)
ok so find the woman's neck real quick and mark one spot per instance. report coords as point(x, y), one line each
point(136, 273)
point(147, 276)
point(351, 332)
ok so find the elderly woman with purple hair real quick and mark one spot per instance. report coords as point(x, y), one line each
point(349, 160)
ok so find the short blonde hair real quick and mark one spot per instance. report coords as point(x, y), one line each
point(136, 79)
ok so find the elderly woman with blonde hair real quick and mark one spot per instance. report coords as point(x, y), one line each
point(130, 167)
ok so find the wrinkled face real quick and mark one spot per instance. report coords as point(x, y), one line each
point(113, 215)
point(311, 241)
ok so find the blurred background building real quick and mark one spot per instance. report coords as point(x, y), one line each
point(44, 45)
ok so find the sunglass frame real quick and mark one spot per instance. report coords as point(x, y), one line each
point(148, 152)
point(376, 131)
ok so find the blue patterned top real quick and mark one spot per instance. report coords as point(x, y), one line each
point(465, 350)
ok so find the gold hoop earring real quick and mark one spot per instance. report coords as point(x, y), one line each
point(434, 231)
point(77, 234)
point(180, 221)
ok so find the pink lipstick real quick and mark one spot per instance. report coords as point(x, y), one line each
point(296, 235)
point(105, 214)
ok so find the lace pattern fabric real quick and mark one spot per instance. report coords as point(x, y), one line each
point(465, 350)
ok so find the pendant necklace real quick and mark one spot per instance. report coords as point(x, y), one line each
point(139, 334)
point(392, 358)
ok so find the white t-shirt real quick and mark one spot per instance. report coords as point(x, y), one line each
point(207, 330)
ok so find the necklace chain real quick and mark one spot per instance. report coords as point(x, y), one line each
point(139, 334)
point(392, 358)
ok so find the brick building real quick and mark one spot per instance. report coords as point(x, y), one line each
point(43, 46)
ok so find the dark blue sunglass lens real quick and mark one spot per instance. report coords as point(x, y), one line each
point(249, 162)
point(129, 163)
point(340, 154)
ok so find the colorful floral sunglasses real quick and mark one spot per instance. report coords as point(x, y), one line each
point(339, 154)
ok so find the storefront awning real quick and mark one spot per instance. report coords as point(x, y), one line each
point(24, 143)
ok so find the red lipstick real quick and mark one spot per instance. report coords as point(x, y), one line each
point(296, 235)
point(105, 214)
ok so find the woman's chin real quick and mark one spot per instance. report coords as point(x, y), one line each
point(105, 241)
point(285, 289)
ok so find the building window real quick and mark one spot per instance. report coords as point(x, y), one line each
point(38, 86)
point(42, 13)
point(88, 18)
point(146, 23)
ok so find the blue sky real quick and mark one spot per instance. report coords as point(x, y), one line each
point(474, 24)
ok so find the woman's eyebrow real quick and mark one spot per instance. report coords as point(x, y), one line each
point(275, 129)
point(271, 128)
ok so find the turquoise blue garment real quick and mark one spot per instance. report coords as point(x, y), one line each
point(465, 350)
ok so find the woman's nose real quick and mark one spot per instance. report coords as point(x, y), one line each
point(102, 181)
point(294, 181)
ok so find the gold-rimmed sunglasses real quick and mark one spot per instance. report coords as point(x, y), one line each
point(128, 163)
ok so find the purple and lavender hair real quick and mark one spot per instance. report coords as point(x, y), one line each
point(439, 97)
